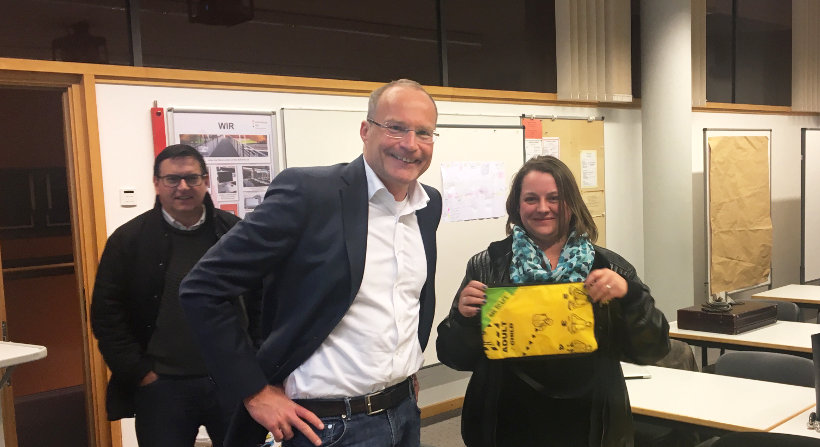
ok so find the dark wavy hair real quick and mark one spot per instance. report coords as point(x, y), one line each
point(568, 196)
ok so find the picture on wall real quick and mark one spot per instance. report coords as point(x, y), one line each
point(233, 146)
point(239, 148)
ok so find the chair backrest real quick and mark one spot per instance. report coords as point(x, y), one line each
point(680, 356)
point(786, 311)
point(768, 366)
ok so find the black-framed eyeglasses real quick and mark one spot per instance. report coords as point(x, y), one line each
point(172, 181)
point(398, 132)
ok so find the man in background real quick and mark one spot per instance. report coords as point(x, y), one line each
point(158, 374)
point(347, 256)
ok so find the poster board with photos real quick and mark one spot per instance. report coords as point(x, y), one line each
point(240, 151)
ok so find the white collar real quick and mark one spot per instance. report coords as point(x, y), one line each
point(416, 198)
point(180, 226)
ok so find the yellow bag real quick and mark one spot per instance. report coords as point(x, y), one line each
point(533, 320)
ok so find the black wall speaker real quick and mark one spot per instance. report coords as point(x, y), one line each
point(220, 12)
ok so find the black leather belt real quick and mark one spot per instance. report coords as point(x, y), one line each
point(371, 404)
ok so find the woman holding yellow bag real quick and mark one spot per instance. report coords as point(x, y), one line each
point(578, 399)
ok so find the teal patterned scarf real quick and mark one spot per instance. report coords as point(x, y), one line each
point(530, 264)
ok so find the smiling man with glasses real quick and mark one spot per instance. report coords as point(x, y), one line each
point(348, 256)
point(158, 374)
point(181, 184)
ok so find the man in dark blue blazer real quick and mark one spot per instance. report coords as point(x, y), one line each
point(347, 258)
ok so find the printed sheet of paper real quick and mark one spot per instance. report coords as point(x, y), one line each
point(594, 201)
point(473, 190)
point(532, 148)
point(551, 146)
point(589, 169)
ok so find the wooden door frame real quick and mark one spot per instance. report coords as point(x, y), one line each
point(84, 169)
point(9, 432)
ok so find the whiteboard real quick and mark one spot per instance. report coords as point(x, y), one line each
point(322, 137)
point(810, 206)
point(714, 132)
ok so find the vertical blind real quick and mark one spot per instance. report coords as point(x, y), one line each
point(698, 53)
point(805, 56)
point(593, 50)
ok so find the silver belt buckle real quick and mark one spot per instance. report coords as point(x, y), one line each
point(369, 404)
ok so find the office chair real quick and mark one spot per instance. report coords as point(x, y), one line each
point(768, 366)
point(653, 434)
point(786, 311)
point(771, 367)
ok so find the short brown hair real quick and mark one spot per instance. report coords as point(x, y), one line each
point(568, 194)
point(373, 102)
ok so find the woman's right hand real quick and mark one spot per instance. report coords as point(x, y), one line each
point(471, 298)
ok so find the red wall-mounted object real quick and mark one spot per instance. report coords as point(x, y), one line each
point(158, 127)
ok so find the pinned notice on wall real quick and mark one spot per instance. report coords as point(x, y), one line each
point(535, 144)
point(551, 146)
point(533, 128)
point(589, 169)
point(595, 202)
point(542, 146)
point(473, 190)
point(532, 148)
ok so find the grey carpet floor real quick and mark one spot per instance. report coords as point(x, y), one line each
point(443, 430)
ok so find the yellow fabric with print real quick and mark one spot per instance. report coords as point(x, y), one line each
point(544, 319)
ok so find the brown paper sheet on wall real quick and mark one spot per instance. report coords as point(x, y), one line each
point(739, 212)
point(577, 136)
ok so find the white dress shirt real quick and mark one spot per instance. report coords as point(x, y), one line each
point(376, 344)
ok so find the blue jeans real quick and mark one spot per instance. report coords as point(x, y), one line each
point(397, 427)
point(170, 410)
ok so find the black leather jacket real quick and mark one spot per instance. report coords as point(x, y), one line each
point(630, 328)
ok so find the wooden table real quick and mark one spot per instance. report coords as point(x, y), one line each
point(12, 354)
point(803, 295)
point(798, 425)
point(717, 402)
point(790, 337)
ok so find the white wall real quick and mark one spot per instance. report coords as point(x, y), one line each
point(127, 155)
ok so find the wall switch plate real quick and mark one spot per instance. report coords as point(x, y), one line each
point(128, 197)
